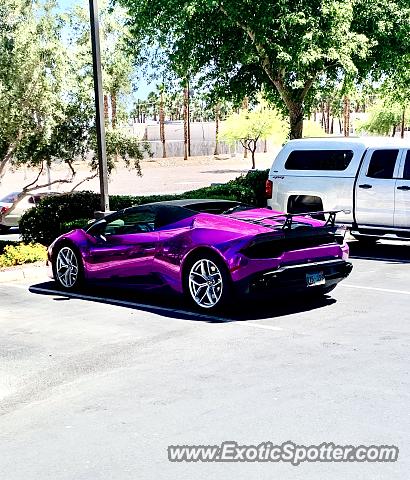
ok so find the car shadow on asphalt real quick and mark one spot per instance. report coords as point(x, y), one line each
point(170, 305)
point(394, 252)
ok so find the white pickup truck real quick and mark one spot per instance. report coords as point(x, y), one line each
point(368, 178)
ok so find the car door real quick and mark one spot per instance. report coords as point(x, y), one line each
point(375, 188)
point(402, 199)
point(124, 249)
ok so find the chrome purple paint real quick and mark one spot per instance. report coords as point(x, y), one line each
point(163, 253)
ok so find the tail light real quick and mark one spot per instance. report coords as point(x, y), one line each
point(268, 188)
point(4, 210)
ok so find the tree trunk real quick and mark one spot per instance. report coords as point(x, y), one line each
point(162, 124)
point(186, 153)
point(332, 126)
point(394, 131)
point(217, 108)
point(328, 117)
point(252, 147)
point(322, 116)
point(346, 116)
point(296, 120)
point(106, 113)
point(245, 106)
point(114, 110)
point(403, 119)
point(9, 155)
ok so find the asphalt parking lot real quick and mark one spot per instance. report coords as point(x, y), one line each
point(97, 386)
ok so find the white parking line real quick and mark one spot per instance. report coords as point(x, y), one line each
point(259, 325)
point(376, 289)
point(379, 259)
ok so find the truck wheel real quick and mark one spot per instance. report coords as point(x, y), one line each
point(365, 239)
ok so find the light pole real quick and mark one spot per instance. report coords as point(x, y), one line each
point(99, 107)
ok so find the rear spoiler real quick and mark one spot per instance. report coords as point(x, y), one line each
point(287, 225)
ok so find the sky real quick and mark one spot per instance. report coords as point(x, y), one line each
point(144, 88)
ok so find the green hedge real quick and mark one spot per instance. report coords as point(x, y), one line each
point(55, 215)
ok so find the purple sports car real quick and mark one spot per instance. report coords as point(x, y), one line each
point(207, 249)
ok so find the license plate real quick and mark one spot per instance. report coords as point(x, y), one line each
point(314, 279)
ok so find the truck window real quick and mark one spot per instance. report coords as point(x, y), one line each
point(319, 160)
point(382, 164)
point(406, 173)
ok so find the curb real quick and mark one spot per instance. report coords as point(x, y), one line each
point(31, 272)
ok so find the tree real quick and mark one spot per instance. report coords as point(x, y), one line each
point(384, 118)
point(285, 47)
point(118, 70)
point(32, 77)
point(46, 100)
point(248, 127)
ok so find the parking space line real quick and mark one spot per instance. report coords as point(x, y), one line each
point(376, 289)
point(379, 259)
point(259, 325)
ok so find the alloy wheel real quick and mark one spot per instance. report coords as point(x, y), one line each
point(67, 267)
point(205, 283)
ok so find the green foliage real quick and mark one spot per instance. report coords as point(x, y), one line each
point(45, 222)
point(287, 48)
point(258, 124)
point(383, 118)
point(312, 129)
point(47, 111)
point(20, 254)
point(59, 214)
point(74, 224)
point(33, 74)
point(5, 243)
point(249, 127)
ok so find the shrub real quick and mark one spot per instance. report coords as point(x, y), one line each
point(5, 243)
point(59, 214)
point(20, 254)
point(74, 224)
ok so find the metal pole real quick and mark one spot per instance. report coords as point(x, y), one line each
point(99, 106)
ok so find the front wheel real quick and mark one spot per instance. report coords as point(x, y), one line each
point(207, 282)
point(67, 268)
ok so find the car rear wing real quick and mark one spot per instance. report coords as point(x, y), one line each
point(289, 218)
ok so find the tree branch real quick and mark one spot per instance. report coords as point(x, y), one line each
point(86, 179)
point(33, 186)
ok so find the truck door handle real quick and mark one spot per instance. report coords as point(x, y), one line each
point(365, 186)
point(403, 187)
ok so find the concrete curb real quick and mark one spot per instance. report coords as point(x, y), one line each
point(30, 272)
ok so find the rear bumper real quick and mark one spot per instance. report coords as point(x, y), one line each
point(292, 278)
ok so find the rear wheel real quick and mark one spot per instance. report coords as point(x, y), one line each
point(365, 240)
point(67, 268)
point(207, 282)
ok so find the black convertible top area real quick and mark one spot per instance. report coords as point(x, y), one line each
point(172, 211)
